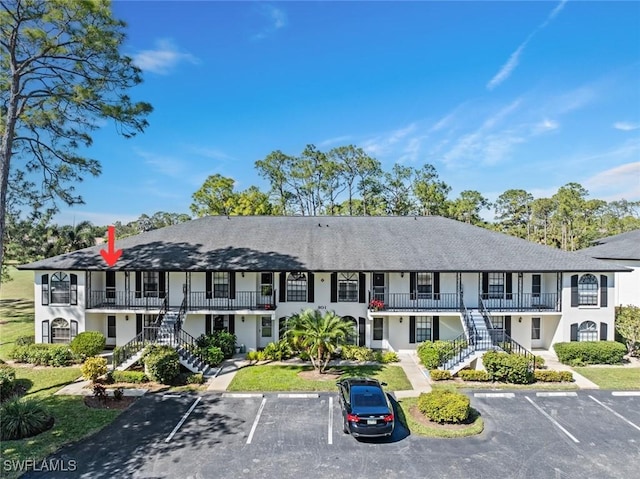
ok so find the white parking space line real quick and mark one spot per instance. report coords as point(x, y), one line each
point(556, 394)
point(255, 423)
point(242, 395)
point(184, 418)
point(616, 414)
point(494, 395)
point(330, 437)
point(170, 396)
point(625, 393)
point(556, 423)
point(299, 396)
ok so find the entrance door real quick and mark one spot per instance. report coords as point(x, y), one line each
point(111, 331)
point(536, 333)
point(266, 330)
point(377, 333)
point(379, 287)
point(110, 287)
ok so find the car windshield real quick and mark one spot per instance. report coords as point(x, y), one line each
point(365, 396)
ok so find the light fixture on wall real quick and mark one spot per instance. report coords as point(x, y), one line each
point(400, 318)
point(402, 274)
point(242, 319)
point(243, 274)
point(520, 319)
point(126, 318)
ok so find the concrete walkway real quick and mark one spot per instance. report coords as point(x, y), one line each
point(416, 375)
point(551, 362)
point(80, 387)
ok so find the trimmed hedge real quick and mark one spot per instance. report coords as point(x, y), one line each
point(474, 375)
point(93, 368)
point(357, 353)
point(550, 376)
point(195, 378)
point(135, 377)
point(505, 367)
point(434, 353)
point(87, 344)
point(390, 357)
point(444, 406)
point(162, 364)
point(7, 380)
point(43, 354)
point(25, 340)
point(220, 339)
point(439, 374)
point(578, 353)
point(214, 355)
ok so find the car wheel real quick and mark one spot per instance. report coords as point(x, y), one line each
point(345, 427)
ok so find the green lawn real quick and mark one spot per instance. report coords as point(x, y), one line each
point(612, 377)
point(16, 309)
point(286, 378)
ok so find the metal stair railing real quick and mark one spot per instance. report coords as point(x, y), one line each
point(146, 337)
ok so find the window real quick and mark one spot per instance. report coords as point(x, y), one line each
point(297, 287)
point(535, 328)
point(496, 285)
point(424, 285)
point(111, 326)
point(423, 328)
point(587, 331)
point(588, 290)
point(348, 287)
point(378, 329)
point(536, 285)
point(266, 284)
point(60, 330)
point(150, 284)
point(267, 326)
point(60, 289)
point(497, 322)
point(220, 284)
point(220, 323)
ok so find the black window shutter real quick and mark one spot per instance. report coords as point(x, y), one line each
point(208, 284)
point(507, 325)
point(362, 331)
point(574, 332)
point(310, 288)
point(436, 285)
point(139, 285)
point(412, 329)
point(435, 330)
point(603, 331)
point(485, 285)
point(74, 288)
point(508, 279)
point(73, 332)
point(334, 287)
point(162, 284)
point(283, 287)
point(603, 291)
point(232, 323)
point(45, 330)
point(45, 294)
point(413, 280)
point(138, 324)
point(207, 324)
point(362, 293)
point(574, 296)
point(232, 285)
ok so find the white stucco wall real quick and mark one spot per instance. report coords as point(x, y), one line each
point(628, 285)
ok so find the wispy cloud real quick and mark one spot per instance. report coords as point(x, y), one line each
point(626, 126)
point(165, 165)
point(620, 182)
point(275, 17)
point(344, 139)
point(514, 59)
point(163, 59)
point(381, 144)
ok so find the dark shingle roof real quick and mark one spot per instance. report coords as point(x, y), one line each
point(622, 246)
point(281, 243)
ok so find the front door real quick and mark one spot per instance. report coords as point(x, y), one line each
point(536, 333)
point(110, 287)
point(377, 333)
point(266, 290)
point(378, 286)
point(111, 331)
point(266, 330)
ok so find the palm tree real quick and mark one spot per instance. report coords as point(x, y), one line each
point(319, 334)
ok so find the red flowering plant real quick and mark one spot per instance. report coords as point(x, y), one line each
point(376, 304)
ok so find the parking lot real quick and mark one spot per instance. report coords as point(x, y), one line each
point(527, 434)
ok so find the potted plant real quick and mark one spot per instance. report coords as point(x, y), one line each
point(376, 305)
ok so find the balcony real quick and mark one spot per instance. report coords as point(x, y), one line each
point(244, 300)
point(112, 299)
point(415, 302)
point(523, 302)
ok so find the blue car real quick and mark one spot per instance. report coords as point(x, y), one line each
point(366, 410)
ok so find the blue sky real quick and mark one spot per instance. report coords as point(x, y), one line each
point(496, 95)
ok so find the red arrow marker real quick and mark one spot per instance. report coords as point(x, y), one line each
point(111, 255)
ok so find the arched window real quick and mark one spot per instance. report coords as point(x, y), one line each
point(588, 290)
point(60, 331)
point(60, 289)
point(587, 331)
point(297, 286)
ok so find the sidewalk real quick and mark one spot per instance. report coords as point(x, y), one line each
point(551, 362)
point(80, 387)
point(416, 375)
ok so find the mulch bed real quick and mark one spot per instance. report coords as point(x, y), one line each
point(425, 421)
point(109, 402)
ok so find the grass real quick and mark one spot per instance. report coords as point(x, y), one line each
point(612, 377)
point(16, 309)
point(405, 406)
point(286, 378)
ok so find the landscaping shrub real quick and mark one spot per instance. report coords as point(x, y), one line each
point(162, 364)
point(390, 357)
point(99, 391)
point(278, 351)
point(444, 350)
point(439, 374)
point(25, 340)
point(42, 354)
point(511, 368)
point(220, 339)
point(23, 418)
point(429, 357)
point(474, 375)
point(351, 352)
point(590, 352)
point(7, 381)
point(214, 355)
point(252, 356)
point(60, 355)
point(118, 394)
point(540, 362)
point(196, 378)
point(550, 376)
point(135, 377)
point(93, 368)
point(444, 406)
point(87, 344)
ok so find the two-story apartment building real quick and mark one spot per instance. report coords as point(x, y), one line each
point(400, 280)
